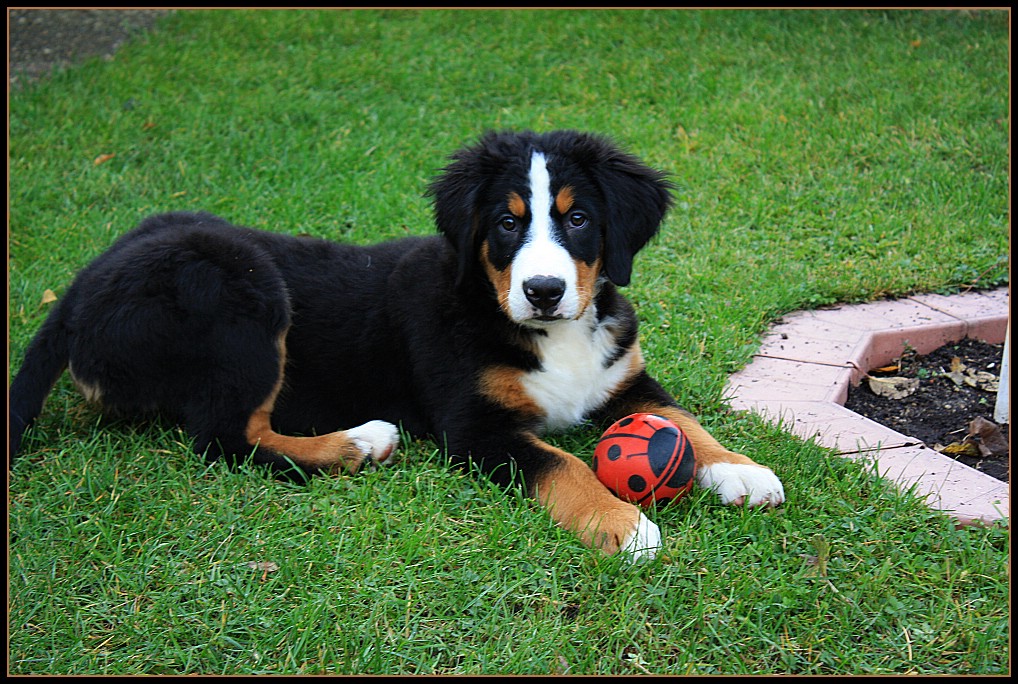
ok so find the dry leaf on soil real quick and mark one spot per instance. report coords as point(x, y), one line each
point(894, 387)
point(960, 374)
point(991, 439)
point(984, 439)
point(956, 449)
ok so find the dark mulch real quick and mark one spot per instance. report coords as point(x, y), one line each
point(939, 413)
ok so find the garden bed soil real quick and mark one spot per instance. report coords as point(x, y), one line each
point(941, 410)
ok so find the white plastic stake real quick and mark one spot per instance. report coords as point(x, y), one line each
point(1002, 410)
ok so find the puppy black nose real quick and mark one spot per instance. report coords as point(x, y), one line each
point(544, 292)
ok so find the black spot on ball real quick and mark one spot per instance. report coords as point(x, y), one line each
point(687, 466)
point(636, 483)
point(660, 449)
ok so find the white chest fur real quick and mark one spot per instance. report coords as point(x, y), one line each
point(573, 379)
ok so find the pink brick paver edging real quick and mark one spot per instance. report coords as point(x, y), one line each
point(800, 378)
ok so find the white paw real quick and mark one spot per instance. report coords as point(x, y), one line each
point(376, 439)
point(734, 482)
point(644, 542)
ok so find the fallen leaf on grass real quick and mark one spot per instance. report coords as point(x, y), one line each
point(48, 296)
point(893, 387)
point(818, 563)
point(561, 667)
point(102, 159)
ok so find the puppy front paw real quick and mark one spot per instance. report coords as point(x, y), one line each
point(643, 543)
point(739, 483)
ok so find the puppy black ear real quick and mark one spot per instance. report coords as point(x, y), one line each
point(637, 197)
point(454, 194)
point(460, 188)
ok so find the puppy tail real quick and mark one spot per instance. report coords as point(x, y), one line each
point(45, 359)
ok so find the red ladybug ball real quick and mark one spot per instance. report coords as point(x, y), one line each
point(645, 458)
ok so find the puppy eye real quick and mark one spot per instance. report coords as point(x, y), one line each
point(578, 220)
point(508, 224)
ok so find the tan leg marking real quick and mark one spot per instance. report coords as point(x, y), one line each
point(92, 393)
point(328, 452)
point(578, 502)
point(707, 449)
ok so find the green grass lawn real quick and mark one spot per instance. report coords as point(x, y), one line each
point(820, 157)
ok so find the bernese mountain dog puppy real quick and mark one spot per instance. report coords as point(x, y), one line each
point(305, 355)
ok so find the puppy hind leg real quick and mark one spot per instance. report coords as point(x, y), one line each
point(234, 420)
point(251, 436)
point(372, 443)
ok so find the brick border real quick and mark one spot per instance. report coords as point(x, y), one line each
point(800, 378)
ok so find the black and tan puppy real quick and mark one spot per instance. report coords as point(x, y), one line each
point(305, 354)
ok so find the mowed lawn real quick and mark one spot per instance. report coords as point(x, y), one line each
point(819, 157)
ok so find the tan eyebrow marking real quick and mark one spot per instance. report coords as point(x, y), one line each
point(564, 199)
point(516, 205)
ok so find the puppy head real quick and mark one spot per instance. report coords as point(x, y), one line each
point(545, 217)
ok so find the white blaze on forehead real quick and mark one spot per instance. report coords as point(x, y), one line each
point(541, 253)
point(540, 191)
